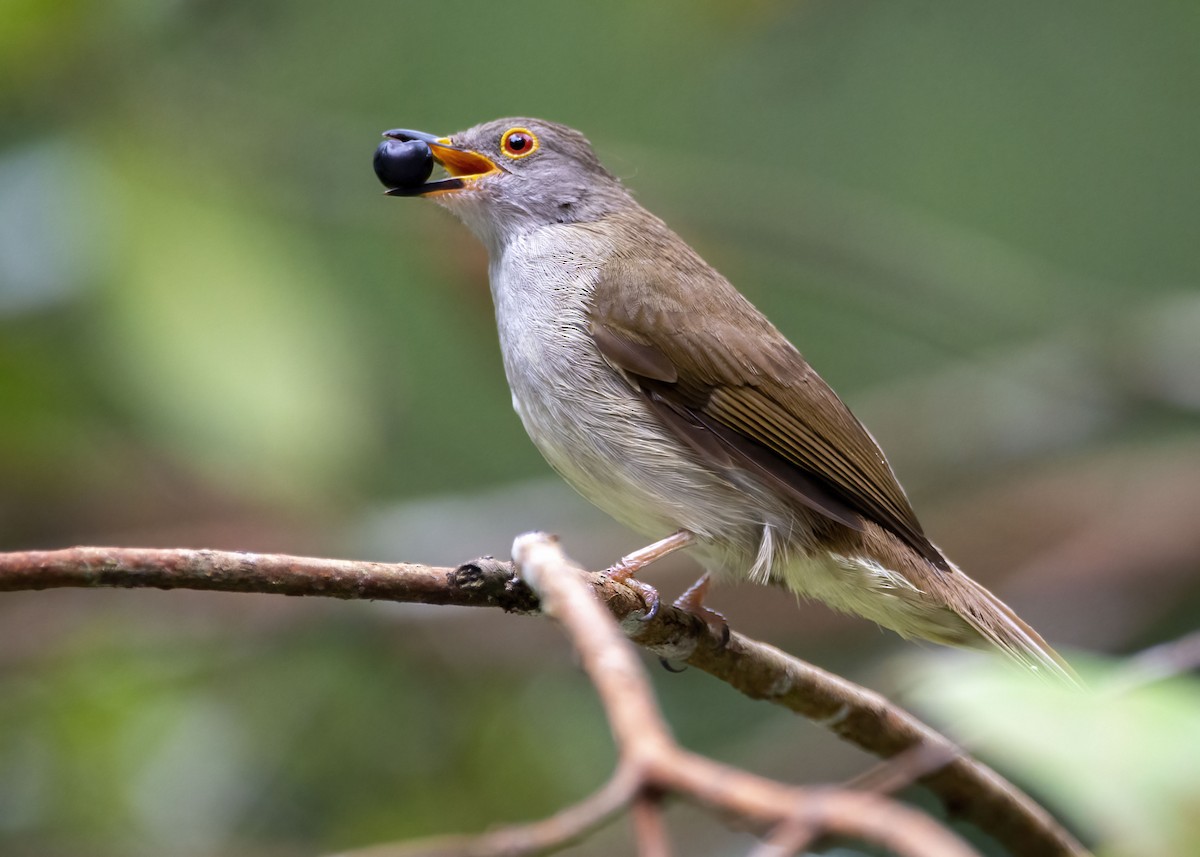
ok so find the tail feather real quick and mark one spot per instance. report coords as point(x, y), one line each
point(999, 624)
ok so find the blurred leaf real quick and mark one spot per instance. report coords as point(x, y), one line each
point(225, 333)
point(49, 249)
point(1121, 760)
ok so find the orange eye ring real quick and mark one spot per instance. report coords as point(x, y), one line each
point(518, 143)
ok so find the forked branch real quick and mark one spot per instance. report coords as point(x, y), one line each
point(969, 789)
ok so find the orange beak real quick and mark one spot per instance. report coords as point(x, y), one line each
point(462, 163)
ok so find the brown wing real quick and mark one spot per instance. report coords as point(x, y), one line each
point(739, 394)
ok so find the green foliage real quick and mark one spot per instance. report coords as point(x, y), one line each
point(186, 188)
point(329, 736)
point(215, 330)
point(1119, 759)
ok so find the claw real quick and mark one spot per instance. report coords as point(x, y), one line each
point(692, 601)
point(624, 570)
point(622, 573)
point(649, 598)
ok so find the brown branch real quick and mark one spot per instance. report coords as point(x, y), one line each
point(791, 838)
point(644, 741)
point(969, 789)
point(904, 769)
point(484, 583)
point(649, 826)
point(1158, 663)
point(564, 828)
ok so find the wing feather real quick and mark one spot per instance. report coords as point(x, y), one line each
point(737, 392)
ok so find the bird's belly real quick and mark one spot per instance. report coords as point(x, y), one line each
point(864, 587)
point(595, 431)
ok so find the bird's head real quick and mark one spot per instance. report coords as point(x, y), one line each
point(504, 177)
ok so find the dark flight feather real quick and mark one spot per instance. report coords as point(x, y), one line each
point(738, 393)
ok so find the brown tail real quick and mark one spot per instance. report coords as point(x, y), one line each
point(1002, 627)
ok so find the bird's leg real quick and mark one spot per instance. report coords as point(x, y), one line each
point(631, 564)
point(692, 601)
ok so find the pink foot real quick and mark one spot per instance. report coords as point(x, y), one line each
point(692, 601)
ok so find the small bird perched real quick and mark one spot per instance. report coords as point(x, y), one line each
point(664, 397)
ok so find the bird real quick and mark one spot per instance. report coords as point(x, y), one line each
point(663, 396)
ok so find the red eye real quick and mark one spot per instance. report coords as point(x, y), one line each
point(518, 142)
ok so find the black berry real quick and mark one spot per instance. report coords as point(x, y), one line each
point(404, 164)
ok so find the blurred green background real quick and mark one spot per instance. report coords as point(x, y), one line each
point(978, 221)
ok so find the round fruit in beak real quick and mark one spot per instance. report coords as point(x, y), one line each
point(404, 164)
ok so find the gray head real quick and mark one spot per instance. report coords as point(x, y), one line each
point(509, 176)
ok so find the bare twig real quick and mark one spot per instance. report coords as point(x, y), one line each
point(644, 741)
point(906, 768)
point(1157, 663)
point(558, 831)
point(482, 583)
point(789, 838)
point(969, 789)
point(649, 828)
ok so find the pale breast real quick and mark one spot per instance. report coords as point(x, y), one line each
point(581, 414)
